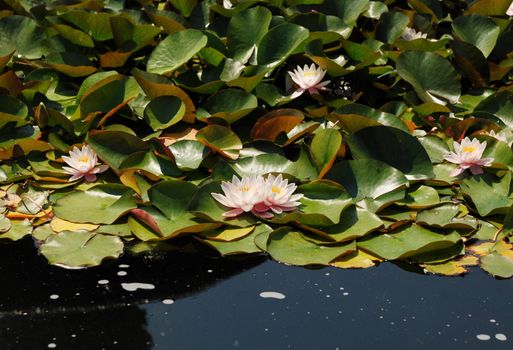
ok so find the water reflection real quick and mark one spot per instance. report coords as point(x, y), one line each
point(96, 308)
point(189, 302)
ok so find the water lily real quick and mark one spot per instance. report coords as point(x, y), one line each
point(257, 195)
point(240, 195)
point(83, 163)
point(501, 137)
point(468, 155)
point(278, 196)
point(11, 201)
point(509, 11)
point(308, 79)
point(411, 34)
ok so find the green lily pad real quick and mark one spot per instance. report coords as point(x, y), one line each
point(75, 250)
point(262, 164)
point(228, 104)
point(175, 50)
point(114, 147)
point(324, 147)
point(480, 31)
point(244, 245)
point(188, 154)
point(488, 193)
point(220, 139)
point(322, 204)
point(17, 230)
point(289, 247)
point(245, 31)
point(432, 76)
point(497, 265)
point(422, 197)
point(394, 147)
point(407, 241)
point(354, 223)
point(444, 216)
point(101, 204)
point(164, 111)
point(367, 178)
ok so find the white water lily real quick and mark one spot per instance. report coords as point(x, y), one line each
point(83, 163)
point(411, 34)
point(509, 11)
point(227, 4)
point(258, 195)
point(501, 137)
point(278, 196)
point(468, 155)
point(308, 79)
point(240, 195)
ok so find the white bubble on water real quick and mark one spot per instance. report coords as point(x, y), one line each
point(501, 337)
point(52, 346)
point(122, 273)
point(272, 295)
point(483, 337)
point(136, 285)
point(103, 282)
point(123, 266)
point(168, 301)
point(54, 296)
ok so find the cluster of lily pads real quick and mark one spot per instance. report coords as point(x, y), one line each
point(321, 132)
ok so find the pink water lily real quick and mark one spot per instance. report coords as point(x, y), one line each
point(468, 155)
point(308, 79)
point(278, 196)
point(240, 195)
point(83, 163)
point(411, 34)
point(262, 197)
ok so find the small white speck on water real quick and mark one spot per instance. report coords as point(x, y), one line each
point(77, 293)
point(52, 346)
point(124, 266)
point(122, 273)
point(272, 295)
point(327, 274)
point(345, 293)
point(209, 271)
point(501, 337)
point(54, 296)
point(483, 337)
point(103, 282)
point(168, 301)
point(328, 296)
point(492, 320)
point(73, 336)
point(136, 285)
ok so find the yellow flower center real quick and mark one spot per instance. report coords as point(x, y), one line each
point(275, 189)
point(468, 149)
point(84, 159)
point(244, 189)
point(309, 73)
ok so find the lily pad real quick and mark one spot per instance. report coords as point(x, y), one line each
point(287, 246)
point(76, 250)
point(101, 204)
point(407, 241)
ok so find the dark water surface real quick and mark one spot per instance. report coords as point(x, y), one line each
point(201, 303)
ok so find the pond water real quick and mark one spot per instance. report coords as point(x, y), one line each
point(177, 301)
